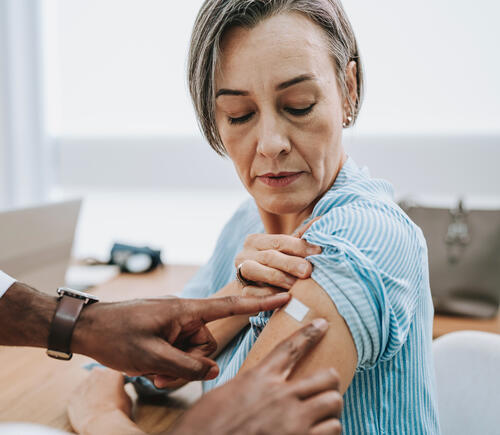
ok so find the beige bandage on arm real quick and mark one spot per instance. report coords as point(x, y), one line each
point(296, 309)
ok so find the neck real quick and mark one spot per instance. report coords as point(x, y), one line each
point(285, 223)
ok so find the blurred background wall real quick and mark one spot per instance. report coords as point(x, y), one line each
point(94, 103)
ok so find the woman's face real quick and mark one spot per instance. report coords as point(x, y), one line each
point(279, 111)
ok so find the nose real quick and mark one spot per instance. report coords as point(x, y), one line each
point(272, 140)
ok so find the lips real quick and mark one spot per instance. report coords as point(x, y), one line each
point(280, 179)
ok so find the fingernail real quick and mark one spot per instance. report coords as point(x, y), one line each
point(312, 250)
point(281, 295)
point(320, 324)
point(158, 383)
point(302, 269)
point(212, 373)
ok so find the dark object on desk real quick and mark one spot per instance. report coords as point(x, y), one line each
point(464, 257)
point(134, 259)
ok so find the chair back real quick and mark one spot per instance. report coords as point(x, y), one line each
point(467, 367)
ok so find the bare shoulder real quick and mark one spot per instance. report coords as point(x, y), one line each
point(337, 348)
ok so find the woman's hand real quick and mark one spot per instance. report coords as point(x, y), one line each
point(101, 405)
point(275, 261)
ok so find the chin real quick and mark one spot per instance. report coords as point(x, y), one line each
point(287, 204)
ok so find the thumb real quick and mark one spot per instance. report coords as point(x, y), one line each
point(289, 352)
point(301, 231)
point(176, 363)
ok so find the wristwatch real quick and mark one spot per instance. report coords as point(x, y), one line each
point(69, 307)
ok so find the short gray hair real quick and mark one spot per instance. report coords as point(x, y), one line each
point(217, 16)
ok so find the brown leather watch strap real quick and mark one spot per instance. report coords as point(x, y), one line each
point(67, 312)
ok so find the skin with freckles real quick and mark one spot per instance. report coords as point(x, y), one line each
point(279, 111)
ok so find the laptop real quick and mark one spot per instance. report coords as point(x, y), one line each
point(36, 243)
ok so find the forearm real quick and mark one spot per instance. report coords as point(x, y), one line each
point(25, 316)
point(224, 330)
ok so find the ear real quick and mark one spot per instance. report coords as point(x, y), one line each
point(352, 82)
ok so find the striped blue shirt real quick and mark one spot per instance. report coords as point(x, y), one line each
point(374, 267)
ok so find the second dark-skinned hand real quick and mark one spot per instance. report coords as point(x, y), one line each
point(264, 401)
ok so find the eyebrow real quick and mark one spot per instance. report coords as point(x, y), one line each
point(294, 81)
point(280, 87)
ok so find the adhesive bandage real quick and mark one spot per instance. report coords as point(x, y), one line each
point(296, 309)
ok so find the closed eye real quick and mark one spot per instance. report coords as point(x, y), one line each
point(300, 112)
point(295, 112)
point(241, 119)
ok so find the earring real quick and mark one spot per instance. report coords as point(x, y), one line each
point(348, 122)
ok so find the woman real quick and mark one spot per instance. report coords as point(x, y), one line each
point(274, 83)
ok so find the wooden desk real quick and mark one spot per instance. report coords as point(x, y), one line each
point(35, 388)
point(446, 324)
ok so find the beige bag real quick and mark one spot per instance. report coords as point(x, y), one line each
point(464, 257)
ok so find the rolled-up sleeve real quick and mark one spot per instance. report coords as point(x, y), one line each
point(5, 282)
point(370, 266)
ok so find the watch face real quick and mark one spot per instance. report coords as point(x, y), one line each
point(76, 294)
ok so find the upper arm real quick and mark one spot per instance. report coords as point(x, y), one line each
point(335, 350)
point(366, 282)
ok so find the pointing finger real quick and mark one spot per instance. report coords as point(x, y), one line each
point(208, 310)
